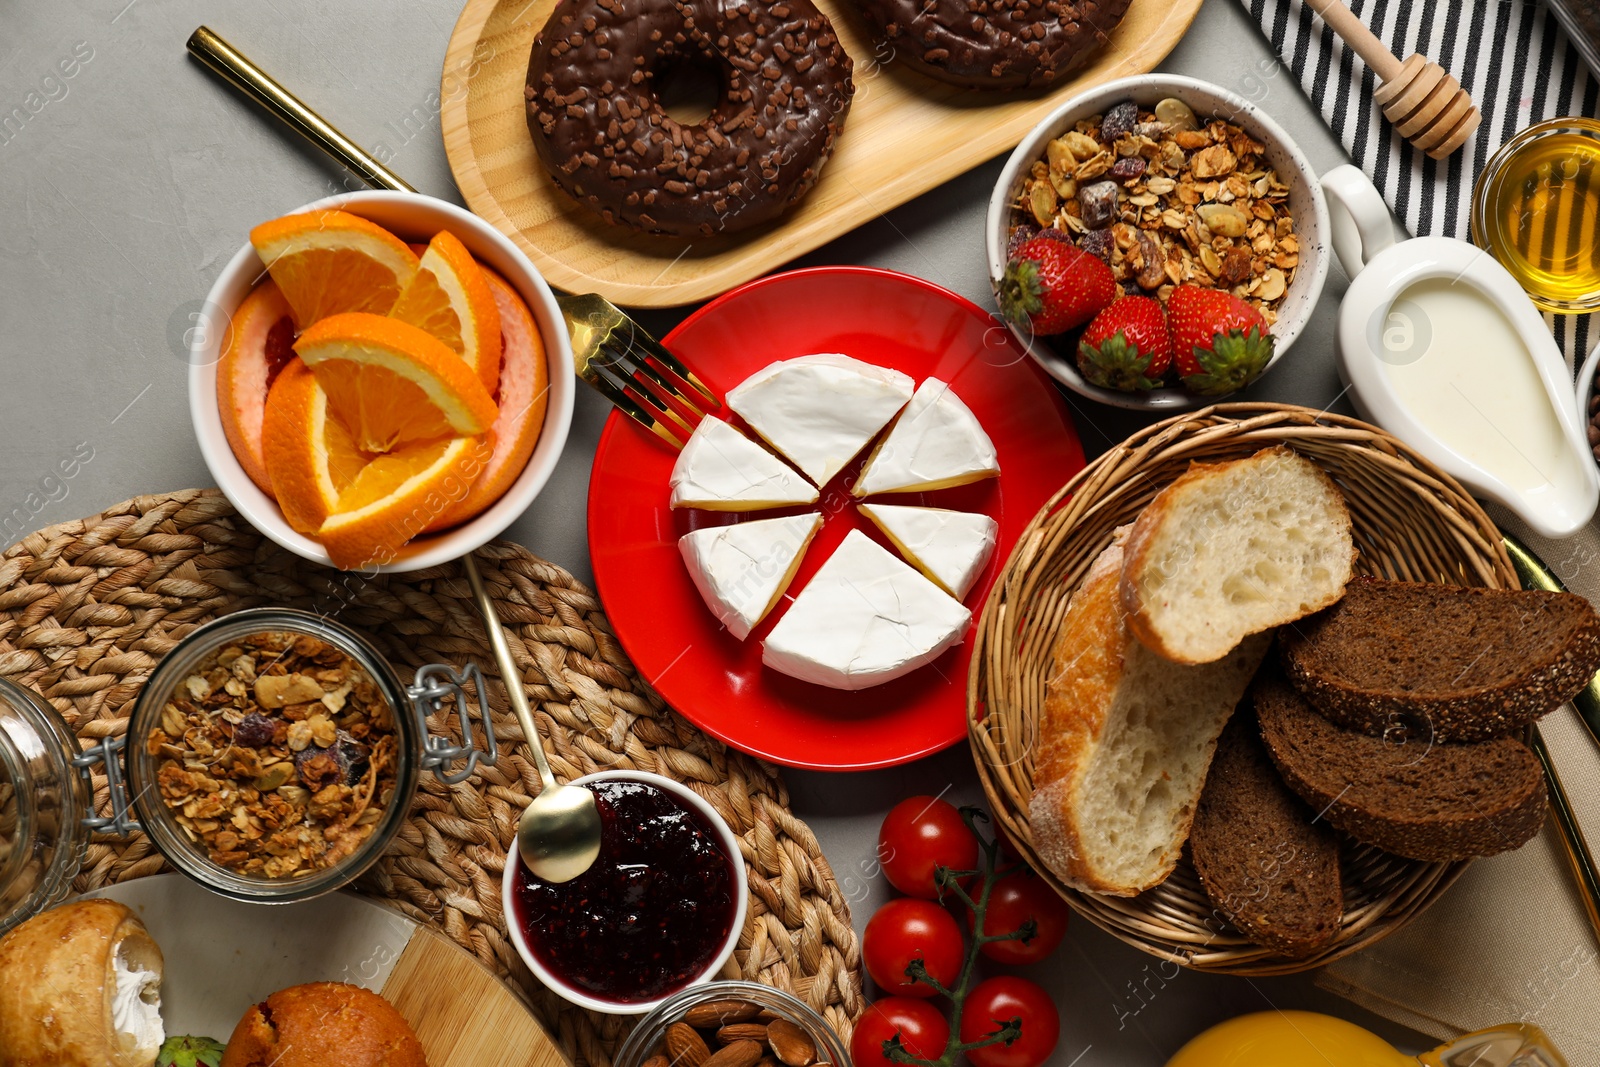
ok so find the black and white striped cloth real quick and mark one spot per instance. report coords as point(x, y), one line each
point(1512, 56)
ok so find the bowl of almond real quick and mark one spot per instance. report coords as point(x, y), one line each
point(1157, 243)
point(735, 1024)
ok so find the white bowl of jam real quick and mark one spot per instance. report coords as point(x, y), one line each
point(660, 910)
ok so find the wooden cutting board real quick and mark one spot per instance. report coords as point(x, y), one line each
point(223, 956)
point(905, 134)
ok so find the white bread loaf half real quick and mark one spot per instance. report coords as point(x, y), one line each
point(1124, 742)
point(61, 973)
point(1231, 549)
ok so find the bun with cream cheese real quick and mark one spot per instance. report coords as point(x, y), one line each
point(80, 986)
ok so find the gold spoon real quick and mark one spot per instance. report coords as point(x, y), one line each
point(559, 832)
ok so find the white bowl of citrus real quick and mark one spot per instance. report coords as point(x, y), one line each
point(385, 382)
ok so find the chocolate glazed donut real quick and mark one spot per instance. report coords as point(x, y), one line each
point(994, 44)
point(599, 127)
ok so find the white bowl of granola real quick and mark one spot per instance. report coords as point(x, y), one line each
point(1277, 264)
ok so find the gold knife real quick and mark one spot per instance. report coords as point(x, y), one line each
point(1536, 575)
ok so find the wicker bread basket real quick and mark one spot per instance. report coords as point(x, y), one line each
point(1411, 521)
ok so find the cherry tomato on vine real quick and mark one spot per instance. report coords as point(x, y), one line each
point(906, 929)
point(918, 835)
point(996, 1002)
point(1014, 900)
point(922, 1028)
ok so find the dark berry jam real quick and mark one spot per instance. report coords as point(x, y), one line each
point(653, 911)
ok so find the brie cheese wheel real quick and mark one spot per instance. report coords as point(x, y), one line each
point(720, 469)
point(865, 618)
point(937, 442)
point(951, 547)
point(820, 411)
point(742, 570)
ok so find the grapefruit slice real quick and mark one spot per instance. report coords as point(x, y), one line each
point(260, 345)
point(330, 262)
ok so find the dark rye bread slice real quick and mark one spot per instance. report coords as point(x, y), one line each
point(1418, 799)
point(1267, 867)
point(1442, 661)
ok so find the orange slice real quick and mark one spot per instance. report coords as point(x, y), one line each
point(450, 299)
point(259, 347)
point(328, 262)
point(396, 496)
point(523, 393)
point(393, 384)
point(312, 458)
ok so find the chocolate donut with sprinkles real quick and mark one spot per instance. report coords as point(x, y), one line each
point(994, 44)
point(599, 127)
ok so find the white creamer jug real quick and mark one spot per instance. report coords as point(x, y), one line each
point(1440, 346)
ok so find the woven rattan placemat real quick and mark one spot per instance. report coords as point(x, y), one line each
point(87, 608)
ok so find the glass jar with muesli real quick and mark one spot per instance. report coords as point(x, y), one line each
point(274, 753)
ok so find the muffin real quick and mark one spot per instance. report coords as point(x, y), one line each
point(323, 1023)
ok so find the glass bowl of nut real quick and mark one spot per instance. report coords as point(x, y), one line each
point(745, 1022)
point(274, 753)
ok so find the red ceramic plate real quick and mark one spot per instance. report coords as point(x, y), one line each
point(719, 683)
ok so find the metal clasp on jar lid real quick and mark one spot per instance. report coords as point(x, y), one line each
point(436, 682)
point(108, 754)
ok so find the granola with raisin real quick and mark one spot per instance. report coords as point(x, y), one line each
point(277, 755)
point(1167, 200)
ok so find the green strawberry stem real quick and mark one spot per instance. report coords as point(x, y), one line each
point(948, 880)
point(1234, 360)
point(184, 1051)
point(1115, 364)
point(1021, 293)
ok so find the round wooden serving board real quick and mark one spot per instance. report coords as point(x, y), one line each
point(905, 135)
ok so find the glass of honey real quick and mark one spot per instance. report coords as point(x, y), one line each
point(1536, 209)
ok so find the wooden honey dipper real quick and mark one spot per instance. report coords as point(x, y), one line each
point(1425, 103)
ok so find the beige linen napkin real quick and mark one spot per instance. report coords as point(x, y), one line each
point(1510, 940)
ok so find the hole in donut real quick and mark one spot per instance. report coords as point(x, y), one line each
point(689, 88)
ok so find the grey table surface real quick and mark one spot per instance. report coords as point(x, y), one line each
point(126, 185)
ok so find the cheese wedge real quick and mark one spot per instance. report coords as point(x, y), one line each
point(742, 570)
point(820, 411)
point(720, 469)
point(865, 618)
point(950, 547)
point(937, 442)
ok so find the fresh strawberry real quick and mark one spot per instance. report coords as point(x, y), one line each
point(1219, 343)
point(1126, 346)
point(1052, 287)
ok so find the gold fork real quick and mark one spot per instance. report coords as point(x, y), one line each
point(633, 370)
point(611, 352)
